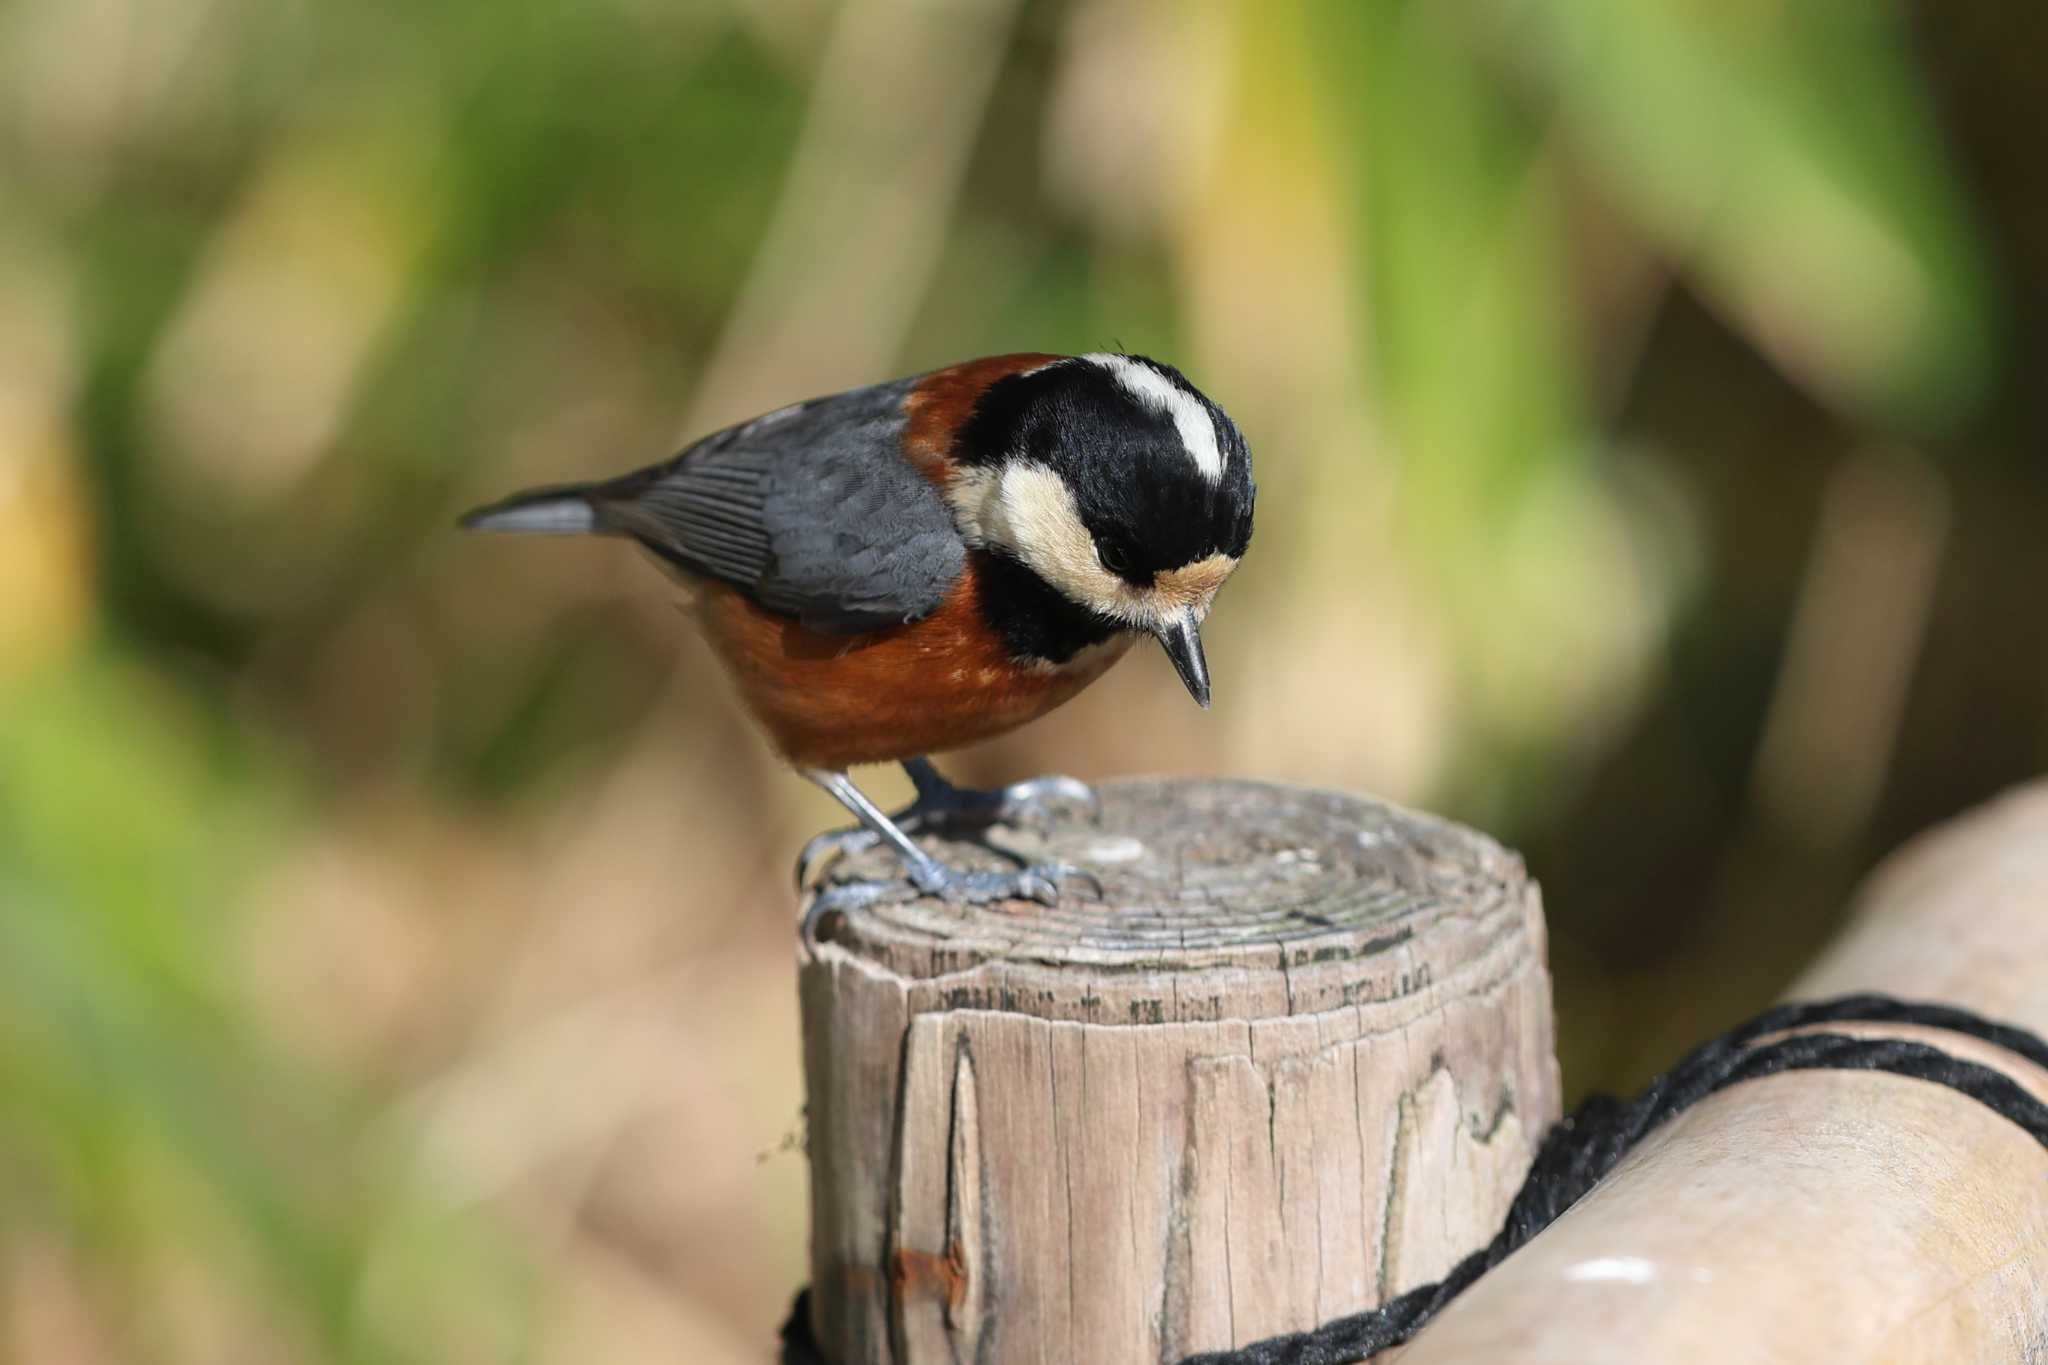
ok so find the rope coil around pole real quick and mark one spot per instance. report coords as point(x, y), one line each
point(1580, 1150)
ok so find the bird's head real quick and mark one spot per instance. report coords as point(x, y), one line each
point(1116, 482)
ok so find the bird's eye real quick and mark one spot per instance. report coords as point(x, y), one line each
point(1114, 555)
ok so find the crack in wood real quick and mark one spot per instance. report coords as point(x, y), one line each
point(1030, 1152)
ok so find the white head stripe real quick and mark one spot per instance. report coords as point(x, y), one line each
point(1190, 416)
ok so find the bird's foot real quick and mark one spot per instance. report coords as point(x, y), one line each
point(832, 844)
point(834, 900)
point(1037, 802)
point(942, 808)
point(1039, 882)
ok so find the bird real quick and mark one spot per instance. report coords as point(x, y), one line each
point(909, 567)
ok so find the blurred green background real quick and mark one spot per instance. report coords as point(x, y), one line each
point(395, 936)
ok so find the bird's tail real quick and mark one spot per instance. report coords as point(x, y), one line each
point(565, 510)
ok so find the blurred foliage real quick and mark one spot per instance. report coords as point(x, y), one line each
point(390, 957)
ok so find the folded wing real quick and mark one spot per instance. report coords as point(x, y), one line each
point(812, 511)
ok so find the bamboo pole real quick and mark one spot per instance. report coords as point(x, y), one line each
point(1293, 1061)
point(1823, 1216)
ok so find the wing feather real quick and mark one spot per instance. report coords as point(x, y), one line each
point(812, 511)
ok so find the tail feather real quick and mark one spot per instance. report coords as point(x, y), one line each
point(564, 511)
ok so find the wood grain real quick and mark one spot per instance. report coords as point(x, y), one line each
point(1822, 1216)
point(1293, 1061)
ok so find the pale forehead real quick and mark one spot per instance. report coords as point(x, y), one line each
point(1189, 414)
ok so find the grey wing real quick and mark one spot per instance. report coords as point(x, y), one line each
point(813, 511)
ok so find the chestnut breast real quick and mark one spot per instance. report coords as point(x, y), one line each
point(833, 701)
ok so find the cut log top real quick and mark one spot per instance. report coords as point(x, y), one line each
point(1220, 899)
point(1292, 1060)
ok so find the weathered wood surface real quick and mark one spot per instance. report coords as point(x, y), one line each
point(1960, 914)
point(1293, 1061)
point(1825, 1216)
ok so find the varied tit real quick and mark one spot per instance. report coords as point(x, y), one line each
point(914, 566)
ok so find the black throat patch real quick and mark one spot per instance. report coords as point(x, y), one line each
point(1035, 621)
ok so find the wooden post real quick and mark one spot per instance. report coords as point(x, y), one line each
point(1818, 1215)
point(1294, 1060)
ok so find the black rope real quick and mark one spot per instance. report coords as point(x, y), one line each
point(1580, 1150)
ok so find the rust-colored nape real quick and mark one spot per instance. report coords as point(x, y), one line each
point(942, 402)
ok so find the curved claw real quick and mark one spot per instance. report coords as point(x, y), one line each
point(833, 900)
point(837, 842)
point(1032, 802)
point(1044, 890)
point(1067, 872)
point(1039, 883)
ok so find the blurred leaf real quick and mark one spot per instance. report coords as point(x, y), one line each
point(144, 1113)
point(1479, 387)
point(1458, 232)
point(1785, 154)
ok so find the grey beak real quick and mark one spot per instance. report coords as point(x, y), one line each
point(1184, 646)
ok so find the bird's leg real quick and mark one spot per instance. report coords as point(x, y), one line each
point(942, 808)
point(925, 872)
